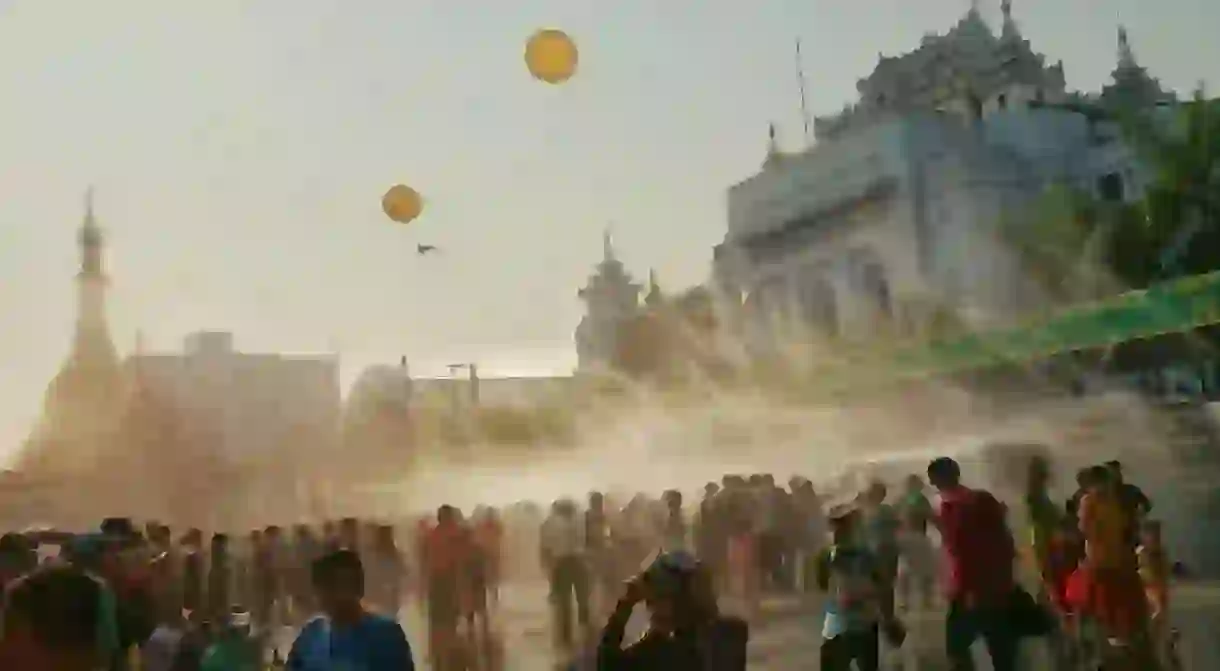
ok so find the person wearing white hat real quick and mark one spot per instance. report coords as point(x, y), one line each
point(234, 649)
point(856, 612)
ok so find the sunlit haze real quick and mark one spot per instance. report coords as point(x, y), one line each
point(240, 150)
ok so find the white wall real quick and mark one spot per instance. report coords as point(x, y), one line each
point(805, 183)
point(938, 235)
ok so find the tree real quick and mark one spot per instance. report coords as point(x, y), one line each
point(1173, 231)
point(1182, 204)
point(1057, 240)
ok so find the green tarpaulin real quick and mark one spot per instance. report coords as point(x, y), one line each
point(1172, 307)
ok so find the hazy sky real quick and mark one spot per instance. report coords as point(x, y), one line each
point(240, 148)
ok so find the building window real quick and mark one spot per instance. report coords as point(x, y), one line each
point(819, 309)
point(1110, 187)
point(869, 280)
point(976, 107)
point(877, 288)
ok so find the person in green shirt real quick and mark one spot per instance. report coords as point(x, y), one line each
point(234, 649)
point(1051, 554)
point(1045, 520)
point(917, 560)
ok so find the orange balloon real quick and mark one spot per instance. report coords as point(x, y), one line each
point(551, 56)
point(402, 204)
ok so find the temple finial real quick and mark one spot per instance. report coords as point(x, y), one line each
point(654, 297)
point(1009, 30)
point(774, 155)
point(1126, 57)
point(607, 244)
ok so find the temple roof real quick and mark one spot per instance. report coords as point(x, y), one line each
point(969, 59)
point(611, 276)
point(1130, 84)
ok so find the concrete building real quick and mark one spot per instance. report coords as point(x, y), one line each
point(243, 406)
point(503, 392)
point(899, 205)
point(382, 389)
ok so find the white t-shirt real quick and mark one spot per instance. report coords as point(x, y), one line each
point(563, 536)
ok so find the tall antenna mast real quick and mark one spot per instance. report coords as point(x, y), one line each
point(800, 83)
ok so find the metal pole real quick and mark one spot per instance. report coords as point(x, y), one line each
point(800, 83)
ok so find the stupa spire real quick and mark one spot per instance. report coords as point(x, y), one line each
point(774, 155)
point(1009, 29)
point(1126, 56)
point(608, 246)
point(92, 342)
point(654, 297)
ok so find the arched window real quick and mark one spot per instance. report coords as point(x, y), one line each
point(870, 281)
point(819, 307)
point(876, 287)
point(765, 306)
point(976, 107)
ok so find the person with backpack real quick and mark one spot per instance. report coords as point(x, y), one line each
point(979, 552)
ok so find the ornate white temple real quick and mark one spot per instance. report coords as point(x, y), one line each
point(896, 207)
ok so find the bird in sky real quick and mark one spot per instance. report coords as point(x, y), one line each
point(423, 250)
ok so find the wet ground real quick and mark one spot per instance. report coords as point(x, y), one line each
point(786, 635)
point(791, 643)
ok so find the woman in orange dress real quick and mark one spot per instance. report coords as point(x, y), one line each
point(1107, 585)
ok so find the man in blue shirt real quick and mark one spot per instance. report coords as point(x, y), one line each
point(347, 637)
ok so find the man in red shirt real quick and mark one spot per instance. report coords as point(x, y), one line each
point(447, 551)
point(979, 556)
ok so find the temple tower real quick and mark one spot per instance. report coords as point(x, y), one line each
point(611, 298)
point(92, 345)
point(83, 402)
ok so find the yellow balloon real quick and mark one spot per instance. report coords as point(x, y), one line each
point(402, 203)
point(551, 56)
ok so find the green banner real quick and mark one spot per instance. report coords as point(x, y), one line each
point(1172, 307)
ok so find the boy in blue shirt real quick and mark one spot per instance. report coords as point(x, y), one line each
point(856, 612)
point(347, 637)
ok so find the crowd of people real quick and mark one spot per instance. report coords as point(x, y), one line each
point(164, 605)
point(128, 597)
